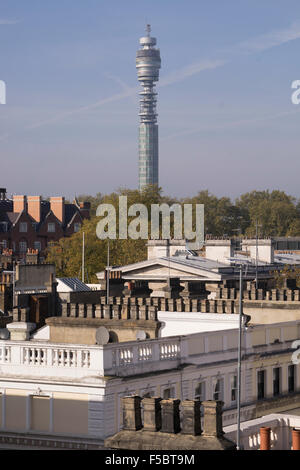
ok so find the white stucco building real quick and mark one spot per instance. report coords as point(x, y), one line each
point(69, 394)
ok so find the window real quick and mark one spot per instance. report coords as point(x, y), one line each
point(276, 381)
point(51, 227)
point(23, 246)
point(200, 391)
point(77, 227)
point(218, 390)
point(4, 244)
point(291, 378)
point(169, 393)
point(40, 413)
point(23, 226)
point(147, 394)
point(233, 386)
point(37, 246)
point(3, 226)
point(260, 384)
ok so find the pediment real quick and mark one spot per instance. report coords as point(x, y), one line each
point(161, 270)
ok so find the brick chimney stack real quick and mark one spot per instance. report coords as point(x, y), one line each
point(19, 203)
point(57, 205)
point(34, 207)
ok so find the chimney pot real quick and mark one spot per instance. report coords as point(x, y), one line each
point(213, 418)
point(295, 439)
point(170, 416)
point(152, 413)
point(265, 438)
point(132, 419)
point(191, 417)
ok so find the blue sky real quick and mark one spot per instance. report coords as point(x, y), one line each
point(226, 120)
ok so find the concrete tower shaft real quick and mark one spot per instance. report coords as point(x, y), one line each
point(148, 64)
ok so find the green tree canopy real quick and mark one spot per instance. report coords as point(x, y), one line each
point(276, 213)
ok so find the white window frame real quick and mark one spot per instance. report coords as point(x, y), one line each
point(39, 247)
point(23, 243)
point(171, 393)
point(23, 227)
point(52, 224)
point(219, 379)
point(280, 380)
point(233, 387)
point(265, 383)
point(201, 396)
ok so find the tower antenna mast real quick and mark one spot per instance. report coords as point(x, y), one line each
point(148, 65)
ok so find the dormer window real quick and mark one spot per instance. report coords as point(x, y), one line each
point(51, 227)
point(23, 226)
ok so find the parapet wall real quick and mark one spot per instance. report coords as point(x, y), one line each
point(118, 308)
point(135, 308)
point(289, 295)
point(262, 310)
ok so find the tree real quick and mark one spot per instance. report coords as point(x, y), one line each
point(66, 254)
point(277, 213)
point(287, 272)
point(274, 211)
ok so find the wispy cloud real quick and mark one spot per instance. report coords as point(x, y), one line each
point(190, 70)
point(97, 104)
point(7, 21)
point(231, 124)
point(260, 43)
point(251, 46)
point(272, 39)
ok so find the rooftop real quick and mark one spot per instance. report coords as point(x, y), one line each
point(71, 284)
point(41, 358)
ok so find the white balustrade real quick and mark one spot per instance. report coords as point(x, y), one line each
point(70, 357)
point(145, 352)
point(169, 351)
point(5, 354)
point(34, 356)
point(125, 356)
point(62, 360)
point(85, 358)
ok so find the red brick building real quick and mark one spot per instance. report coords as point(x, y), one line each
point(30, 223)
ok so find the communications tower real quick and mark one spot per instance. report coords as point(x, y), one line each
point(148, 65)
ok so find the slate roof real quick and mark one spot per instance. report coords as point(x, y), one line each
point(7, 214)
point(74, 283)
